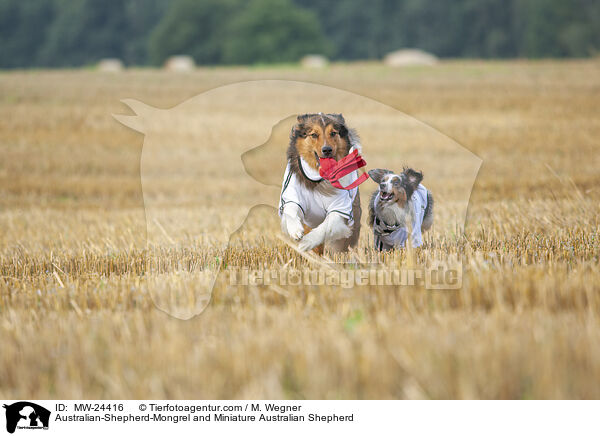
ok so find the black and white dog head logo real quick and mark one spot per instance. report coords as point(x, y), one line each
point(26, 415)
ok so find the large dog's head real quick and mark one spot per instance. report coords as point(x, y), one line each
point(320, 135)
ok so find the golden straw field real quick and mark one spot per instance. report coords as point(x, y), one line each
point(77, 319)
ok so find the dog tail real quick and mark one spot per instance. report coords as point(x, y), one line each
point(428, 214)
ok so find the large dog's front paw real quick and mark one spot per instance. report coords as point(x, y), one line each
point(293, 228)
point(310, 241)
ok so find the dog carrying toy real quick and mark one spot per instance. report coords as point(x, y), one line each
point(333, 170)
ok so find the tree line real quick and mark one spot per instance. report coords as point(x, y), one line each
point(67, 33)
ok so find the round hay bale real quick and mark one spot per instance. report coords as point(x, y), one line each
point(110, 65)
point(408, 57)
point(180, 64)
point(314, 61)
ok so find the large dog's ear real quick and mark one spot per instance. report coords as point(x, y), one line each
point(298, 131)
point(413, 178)
point(338, 118)
point(377, 175)
point(340, 122)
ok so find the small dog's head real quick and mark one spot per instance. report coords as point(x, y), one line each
point(396, 188)
point(320, 135)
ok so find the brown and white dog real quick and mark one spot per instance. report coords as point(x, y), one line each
point(401, 206)
point(312, 211)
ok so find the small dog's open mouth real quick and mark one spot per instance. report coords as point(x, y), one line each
point(386, 196)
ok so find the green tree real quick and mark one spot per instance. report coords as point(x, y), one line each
point(85, 31)
point(358, 29)
point(60, 33)
point(23, 29)
point(195, 28)
point(142, 18)
point(273, 31)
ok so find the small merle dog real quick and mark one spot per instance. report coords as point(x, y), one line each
point(401, 206)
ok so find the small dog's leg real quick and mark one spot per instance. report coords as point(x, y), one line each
point(334, 227)
point(428, 215)
point(380, 245)
point(291, 224)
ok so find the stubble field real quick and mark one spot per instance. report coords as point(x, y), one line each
point(76, 315)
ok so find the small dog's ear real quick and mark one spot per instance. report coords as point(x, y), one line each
point(377, 175)
point(413, 178)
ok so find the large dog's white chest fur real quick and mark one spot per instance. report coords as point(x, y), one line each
point(317, 203)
